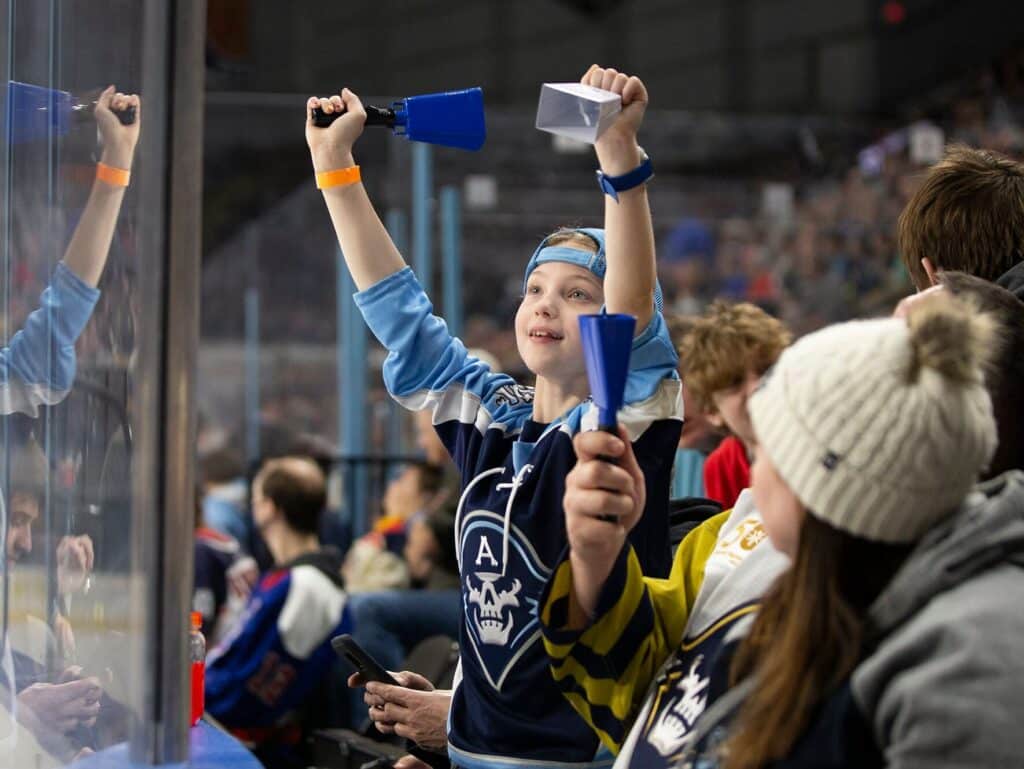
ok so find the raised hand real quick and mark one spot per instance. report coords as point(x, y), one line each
point(119, 140)
point(331, 147)
point(602, 502)
point(617, 149)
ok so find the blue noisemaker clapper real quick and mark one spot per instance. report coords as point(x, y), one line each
point(449, 119)
point(36, 113)
point(607, 342)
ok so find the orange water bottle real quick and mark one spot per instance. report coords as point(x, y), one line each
point(197, 655)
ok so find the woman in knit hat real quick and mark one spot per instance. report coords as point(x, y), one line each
point(893, 638)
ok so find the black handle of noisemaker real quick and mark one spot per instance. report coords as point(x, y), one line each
point(612, 461)
point(126, 115)
point(374, 116)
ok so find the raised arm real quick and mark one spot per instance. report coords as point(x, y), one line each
point(87, 252)
point(629, 236)
point(369, 251)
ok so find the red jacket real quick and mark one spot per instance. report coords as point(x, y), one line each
point(726, 472)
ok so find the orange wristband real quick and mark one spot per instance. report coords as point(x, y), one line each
point(341, 177)
point(115, 177)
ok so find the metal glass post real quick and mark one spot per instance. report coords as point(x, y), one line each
point(422, 190)
point(451, 257)
point(352, 432)
point(163, 484)
point(398, 227)
point(252, 377)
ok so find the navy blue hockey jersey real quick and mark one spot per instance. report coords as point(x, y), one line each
point(510, 528)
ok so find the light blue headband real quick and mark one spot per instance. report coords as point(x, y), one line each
point(589, 260)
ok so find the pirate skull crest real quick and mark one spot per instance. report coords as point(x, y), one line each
point(493, 606)
point(502, 578)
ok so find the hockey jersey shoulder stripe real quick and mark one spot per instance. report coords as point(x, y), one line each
point(312, 609)
point(666, 402)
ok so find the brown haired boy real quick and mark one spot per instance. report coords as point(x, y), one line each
point(722, 360)
point(968, 215)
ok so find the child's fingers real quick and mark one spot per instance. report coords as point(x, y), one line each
point(592, 503)
point(595, 76)
point(619, 83)
point(634, 90)
point(597, 443)
point(608, 78)
point(585, 80)
point(604, 476)
point(352, 102)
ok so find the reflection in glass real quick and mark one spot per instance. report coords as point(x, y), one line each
point(68, 276)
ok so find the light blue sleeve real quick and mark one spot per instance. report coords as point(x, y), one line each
point(38, 366)
point(427, 367)
point(653, 360)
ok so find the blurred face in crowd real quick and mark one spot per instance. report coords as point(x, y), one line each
point(23, 514)
point(428, 440)
point(731, 406)
point(782, 512)
point(263, 510)
point(421, 551)
point(695, 422)
point(404, 495)
point(547, 321)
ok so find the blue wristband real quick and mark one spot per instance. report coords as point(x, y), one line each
point(613, 185)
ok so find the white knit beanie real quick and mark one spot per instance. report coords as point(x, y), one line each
point(881, 427)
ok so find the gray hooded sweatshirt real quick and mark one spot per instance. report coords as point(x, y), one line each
point(945, 686)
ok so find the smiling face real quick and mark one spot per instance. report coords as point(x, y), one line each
point(547, 321)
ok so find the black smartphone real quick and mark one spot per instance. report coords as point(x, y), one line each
point(346, 647)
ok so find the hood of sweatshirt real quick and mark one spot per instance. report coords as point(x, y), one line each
point(1013, 280)
point(987, 530)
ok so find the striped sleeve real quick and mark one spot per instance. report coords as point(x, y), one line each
point(605, 669)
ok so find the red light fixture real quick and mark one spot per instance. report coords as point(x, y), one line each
point(893, 12)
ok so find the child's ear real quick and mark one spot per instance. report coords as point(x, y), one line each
point(930, 270)
point(716, 419)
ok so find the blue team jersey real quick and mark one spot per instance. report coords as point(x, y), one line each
point(510, 527)
point(279, 652)
point(38, 366)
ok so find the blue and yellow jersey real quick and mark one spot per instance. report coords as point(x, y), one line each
point(643, 663)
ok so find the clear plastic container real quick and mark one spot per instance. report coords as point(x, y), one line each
point(197, 655)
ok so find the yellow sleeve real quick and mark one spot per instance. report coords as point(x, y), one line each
point(604, 671)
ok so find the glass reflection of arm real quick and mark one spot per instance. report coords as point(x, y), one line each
point(39, 364)
point(87, 252)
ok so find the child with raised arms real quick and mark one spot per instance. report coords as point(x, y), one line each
point(511, 442)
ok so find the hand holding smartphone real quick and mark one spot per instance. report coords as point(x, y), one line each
point(346, 647)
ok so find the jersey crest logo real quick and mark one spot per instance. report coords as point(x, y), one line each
point(499, 600)
point(670, 731)
point(513, 395)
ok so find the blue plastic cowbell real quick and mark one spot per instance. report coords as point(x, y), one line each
point(607, 342)
point(450, 119)
point(36, 113)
